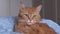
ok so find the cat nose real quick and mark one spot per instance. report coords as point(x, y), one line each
point(30, 19)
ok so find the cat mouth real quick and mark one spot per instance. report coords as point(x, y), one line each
point(30, 23)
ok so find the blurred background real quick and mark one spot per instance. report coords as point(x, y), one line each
point(50, 10)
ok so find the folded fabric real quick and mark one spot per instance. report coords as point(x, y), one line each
point(52, 24)
point(7, 25)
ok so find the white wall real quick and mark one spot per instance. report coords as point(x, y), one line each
point(14, 7)
point(11, 7)
point(4, 7)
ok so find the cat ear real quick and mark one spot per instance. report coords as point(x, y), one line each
point(22, 6)
point(39, 8)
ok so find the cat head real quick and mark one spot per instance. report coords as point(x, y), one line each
point(30, 14)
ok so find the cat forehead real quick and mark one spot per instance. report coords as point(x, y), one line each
point(30, 10)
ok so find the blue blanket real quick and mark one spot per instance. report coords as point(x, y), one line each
point(7, 25)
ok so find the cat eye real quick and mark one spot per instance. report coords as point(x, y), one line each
point(26, 15)
point(34, 16)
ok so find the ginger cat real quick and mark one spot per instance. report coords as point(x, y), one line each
point(28, 21)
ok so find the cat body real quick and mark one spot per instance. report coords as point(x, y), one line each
point(29, 21)
point(37, 28)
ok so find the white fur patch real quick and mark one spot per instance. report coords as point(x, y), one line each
point(30, 22)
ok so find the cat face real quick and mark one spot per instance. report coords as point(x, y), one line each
point(30, 14)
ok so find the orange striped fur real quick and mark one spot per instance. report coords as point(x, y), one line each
point(23, 26)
